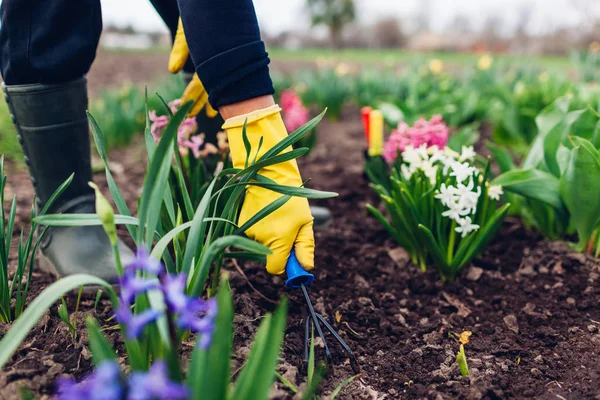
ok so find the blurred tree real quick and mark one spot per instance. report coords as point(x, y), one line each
point(334, 14)
point(387, 33)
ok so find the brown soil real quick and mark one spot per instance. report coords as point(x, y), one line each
point(533, 306)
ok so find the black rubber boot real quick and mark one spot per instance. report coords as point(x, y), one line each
point(211, 126)
point(53, 130)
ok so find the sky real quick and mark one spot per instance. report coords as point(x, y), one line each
point(276, 16)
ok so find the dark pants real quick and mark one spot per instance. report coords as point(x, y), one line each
point(55, 41)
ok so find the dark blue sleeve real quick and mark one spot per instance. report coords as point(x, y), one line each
point(226, 48)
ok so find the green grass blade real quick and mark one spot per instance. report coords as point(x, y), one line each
point(112, 184)
point(99, 346)
point(209, 373)
point(258, 374)
point(211, 253)
point(14, 337)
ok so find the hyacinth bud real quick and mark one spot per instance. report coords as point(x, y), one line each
point(375, 133)
point(106, 214)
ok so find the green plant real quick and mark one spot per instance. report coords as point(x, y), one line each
point(194, 254)
point(120, 111)
point(14, 290)
point(461, 360)
point(8, 135)
point(556, 178)
point(441, 209)
point(326, 89)
point(63, 313)
point(314, 377)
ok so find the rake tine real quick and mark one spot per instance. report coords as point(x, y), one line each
point(353, 361)
point(313, 316)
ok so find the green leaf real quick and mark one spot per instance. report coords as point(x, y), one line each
point(213, 250)
point(292, 190)
point(101, 349)
point(580, 189)
point(435, 250)
point(163, 243)
point(209, 373)
point(258, 374)
point(270, 208)
point(112, 184)
point(345, 383)
point(294, 137)
point(155, 182)
point(502, 157)
point(81, 220)
point(533, 184)
point(14, 337)
point(555, 137)
point(198, 230)
point(56, 194)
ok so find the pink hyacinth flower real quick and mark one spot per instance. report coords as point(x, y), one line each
point(194, 143)
point(431, 133)
point(174, 105)
point(294, 113)
point(158, 124)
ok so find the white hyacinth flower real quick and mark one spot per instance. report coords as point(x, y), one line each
point(448, 152)
point(407, 171)
point(467, 154)
point(461, 171)
point(411, 156)
point(430, 171)
point(447, 195)
point(422, 150)
point(495, 191)
point(465, 226)
point(453, 213)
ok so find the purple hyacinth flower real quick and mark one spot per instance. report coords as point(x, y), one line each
point(199, 317)
point(132, 285)
point(174, 290)
point(155, 384)
point(134, 324)
point(103, 384)
point(144, 262)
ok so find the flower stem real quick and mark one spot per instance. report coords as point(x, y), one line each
point(422, 264)
point(117, 255)
point(451, 241)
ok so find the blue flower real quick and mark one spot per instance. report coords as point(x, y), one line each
point(132, 285)
point(173, 287)
point(134, 324)
point(155, 384)
point(199, 317)
point(103, 384)
point(144, 262)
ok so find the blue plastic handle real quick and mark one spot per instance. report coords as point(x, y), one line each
point(296, 275)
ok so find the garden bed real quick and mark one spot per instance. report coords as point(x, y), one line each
point(532, 306)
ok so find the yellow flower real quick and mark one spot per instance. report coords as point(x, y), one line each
point(342, 69)
point(465, 336)
point(436, 66)
point(595, 47)
point(485, 62)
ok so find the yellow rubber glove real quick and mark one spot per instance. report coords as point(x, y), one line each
point(290, 226)
point(195, 89)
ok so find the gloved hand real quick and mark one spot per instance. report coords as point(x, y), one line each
point(290, 226)
point(195, 90)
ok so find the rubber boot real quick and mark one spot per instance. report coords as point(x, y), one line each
point(211, 126)
point(53, 131)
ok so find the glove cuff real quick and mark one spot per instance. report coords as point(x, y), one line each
point(238, 121)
